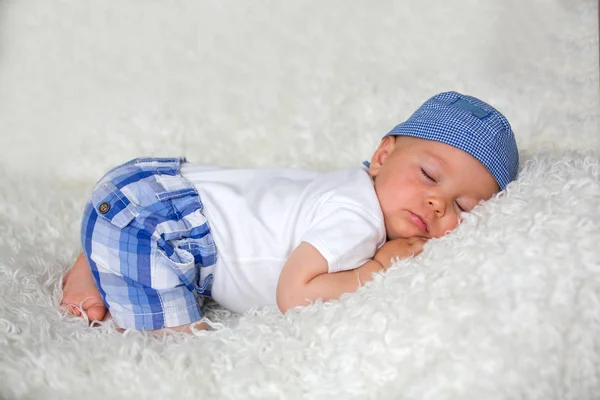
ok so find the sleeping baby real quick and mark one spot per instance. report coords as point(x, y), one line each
point(160, 234)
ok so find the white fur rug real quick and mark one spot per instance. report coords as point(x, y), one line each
point(507, 307)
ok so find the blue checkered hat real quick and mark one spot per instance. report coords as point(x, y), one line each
point(470, 125)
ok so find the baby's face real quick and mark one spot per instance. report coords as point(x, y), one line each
point(423, 185)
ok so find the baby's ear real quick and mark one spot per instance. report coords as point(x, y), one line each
point(385, 148)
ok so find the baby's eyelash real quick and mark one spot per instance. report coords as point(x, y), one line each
point(426, 175)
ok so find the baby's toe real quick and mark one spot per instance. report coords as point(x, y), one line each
point(96, 312)
point(71, 308)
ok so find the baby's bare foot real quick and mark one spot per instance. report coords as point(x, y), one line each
point(80, 292)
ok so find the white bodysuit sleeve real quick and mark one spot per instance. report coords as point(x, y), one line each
point(346, 234)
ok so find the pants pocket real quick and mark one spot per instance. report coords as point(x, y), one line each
point(112, 205)
point(175, 256)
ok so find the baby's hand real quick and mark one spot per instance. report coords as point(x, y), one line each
point(401, 248)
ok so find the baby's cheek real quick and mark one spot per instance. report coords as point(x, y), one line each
point(449, 225)
point(455, 221)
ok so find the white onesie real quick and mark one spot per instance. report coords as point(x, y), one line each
point(259, 216)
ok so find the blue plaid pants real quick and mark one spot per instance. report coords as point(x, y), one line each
point(148, 245)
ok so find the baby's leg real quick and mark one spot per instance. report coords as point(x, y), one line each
point(79, 286)
point(79, 290)
point(142, 233)
point(187, 328)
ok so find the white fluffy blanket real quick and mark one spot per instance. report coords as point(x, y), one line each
point(506, 307)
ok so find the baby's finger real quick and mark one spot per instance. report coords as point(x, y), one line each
point(417, 239)
point(413, 239)
point(418, 244)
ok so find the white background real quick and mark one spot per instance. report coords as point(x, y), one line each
point(311, 84)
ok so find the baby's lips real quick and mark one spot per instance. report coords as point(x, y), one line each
point(419, 222)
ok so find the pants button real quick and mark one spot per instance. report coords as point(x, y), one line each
point(103, 208)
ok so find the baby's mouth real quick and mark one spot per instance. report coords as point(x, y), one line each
point(419, 222)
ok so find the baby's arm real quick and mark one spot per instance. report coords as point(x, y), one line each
point(305, 275)
point(305, 278)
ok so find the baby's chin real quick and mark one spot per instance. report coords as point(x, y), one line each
point(402, 231)
point(417, 233)
point(407, 234)
point(403, 235)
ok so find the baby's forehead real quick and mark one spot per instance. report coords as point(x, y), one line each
point(462, 169)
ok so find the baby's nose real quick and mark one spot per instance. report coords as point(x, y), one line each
point(438, 205)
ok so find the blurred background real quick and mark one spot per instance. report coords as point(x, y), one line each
point(87, 84)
